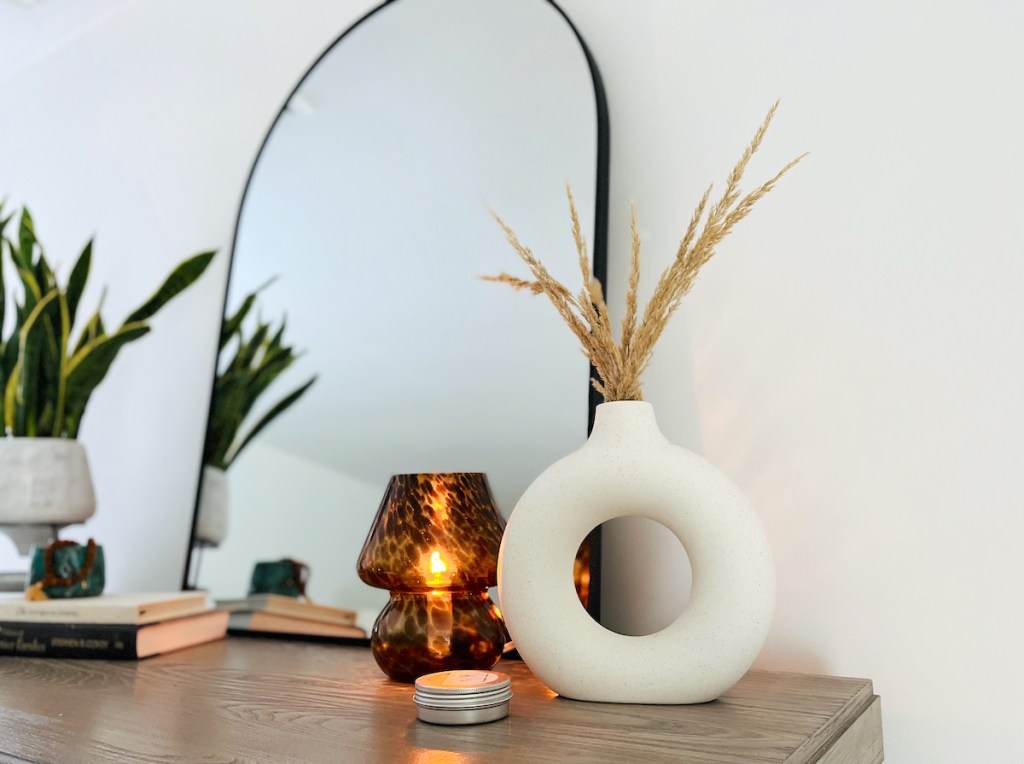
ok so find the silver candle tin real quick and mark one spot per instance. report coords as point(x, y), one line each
point(462, 697)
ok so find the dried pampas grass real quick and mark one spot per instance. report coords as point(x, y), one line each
point(622, 363)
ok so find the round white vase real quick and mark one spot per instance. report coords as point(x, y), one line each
point(212, 519)
point(44, 481)
point(629, 469)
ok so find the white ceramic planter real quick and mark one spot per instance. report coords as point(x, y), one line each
point(44, 481)
point(628, 469)
point(212, 520)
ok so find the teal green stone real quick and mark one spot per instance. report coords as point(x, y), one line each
point(278, 577)
point(67, 562)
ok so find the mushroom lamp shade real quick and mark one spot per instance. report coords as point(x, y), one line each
point(434, 545)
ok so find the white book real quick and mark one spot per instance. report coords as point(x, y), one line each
point(106, 608)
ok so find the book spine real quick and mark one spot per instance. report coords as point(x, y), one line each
point(66, 640)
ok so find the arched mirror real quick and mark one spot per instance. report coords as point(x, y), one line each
point(364, 228)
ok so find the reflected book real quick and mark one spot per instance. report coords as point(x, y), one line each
point(290, 607)
point(271, 623)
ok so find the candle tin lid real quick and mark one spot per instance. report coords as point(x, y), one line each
point(463, 697)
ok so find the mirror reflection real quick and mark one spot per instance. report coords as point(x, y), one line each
point(363, 232)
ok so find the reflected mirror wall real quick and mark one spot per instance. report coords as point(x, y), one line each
point(368, 205)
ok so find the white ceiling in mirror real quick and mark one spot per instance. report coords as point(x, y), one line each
point(370, 204)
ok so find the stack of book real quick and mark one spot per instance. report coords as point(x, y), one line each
point(276, 614)
point(117, 626)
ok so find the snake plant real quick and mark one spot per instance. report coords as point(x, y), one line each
point(249, 363)
point(46, 377)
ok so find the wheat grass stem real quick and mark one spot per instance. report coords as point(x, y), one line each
point(621, 364)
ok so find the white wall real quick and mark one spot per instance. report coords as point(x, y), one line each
point(852, 360)
point(138, 121)
point(856, 351)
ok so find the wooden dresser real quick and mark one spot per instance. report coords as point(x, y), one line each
point(272, 701)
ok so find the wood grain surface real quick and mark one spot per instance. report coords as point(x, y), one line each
point(273, 701)
point(861, 742)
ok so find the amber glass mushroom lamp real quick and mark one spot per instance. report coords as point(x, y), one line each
point(434, 546)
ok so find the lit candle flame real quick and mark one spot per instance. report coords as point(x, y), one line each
point(436, 571)
point(437, 564)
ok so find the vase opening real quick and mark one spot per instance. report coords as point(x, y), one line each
point(581, 569)
point(645, 576)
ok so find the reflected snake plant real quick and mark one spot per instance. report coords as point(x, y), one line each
point(46, 380)
point(259, 358)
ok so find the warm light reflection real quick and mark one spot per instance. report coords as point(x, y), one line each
point(439, 623)
point(421, 756)
point(439, 503)
point(581, 573)
point(439, 608)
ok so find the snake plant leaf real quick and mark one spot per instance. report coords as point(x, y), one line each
point(234, 323)
point(10, 392)
point(10, 356)
point(279, 408)
point(245, 374)
point(228, 409)
point(34, 357)
point(20, 388)
point(92, 330)
point(104, 344)
point(7, 363)
point(247, 350)
point(3, 312)
point(4, 244)
point(76, 281)
point(48, 366)
point(88, 367)
point(3, 290)
point(44, 388)
point(269, 369)
point(65, 335)
point(179, 280)
point(33, 291)
point(51, 320)
point(26, 239)
point(44, 274)
point(277, 341)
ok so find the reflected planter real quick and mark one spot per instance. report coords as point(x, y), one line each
point(212, 516)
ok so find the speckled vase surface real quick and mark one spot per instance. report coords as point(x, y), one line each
point(629, 469)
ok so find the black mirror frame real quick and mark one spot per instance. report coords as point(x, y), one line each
point(599, 265)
